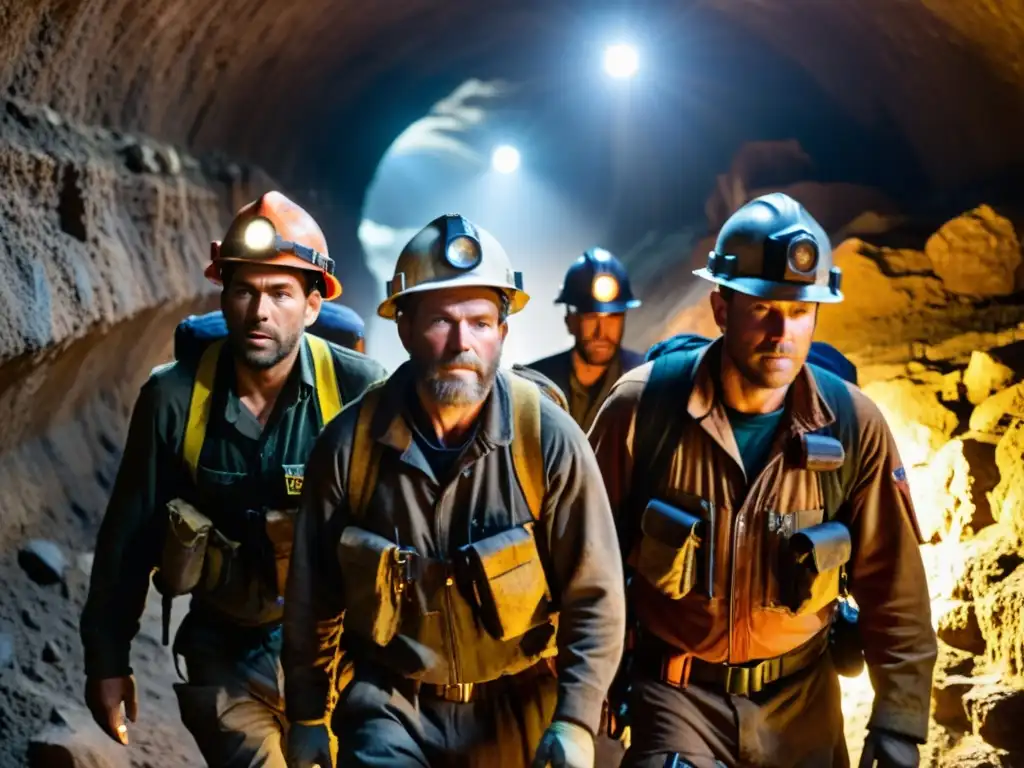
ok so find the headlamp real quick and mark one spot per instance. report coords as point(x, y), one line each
point(462, 244)
point(604, 288)
point(802, 254)
point(259, 235)
point(260, 240)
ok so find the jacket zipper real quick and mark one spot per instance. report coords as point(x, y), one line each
point(453, 666)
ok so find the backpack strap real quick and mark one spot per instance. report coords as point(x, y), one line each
point(327, 392)
point(199, 407)
point(835, 486)
point(660, 419)
point(366, 453)
point(527, 457)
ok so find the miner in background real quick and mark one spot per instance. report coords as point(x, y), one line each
point(752, 493)
point(455, 517)
point(597, 296)
point(210, 479)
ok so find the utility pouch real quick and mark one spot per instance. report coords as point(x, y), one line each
point(185, 548)
point(281, 532)
point(510, 585)
point(668, 548)
point(847, 646)
point(811, 565)
point(373, 573)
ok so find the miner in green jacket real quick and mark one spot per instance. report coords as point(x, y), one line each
point(211, 477)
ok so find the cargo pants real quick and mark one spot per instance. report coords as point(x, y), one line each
point(796, 722)
point(384, 720)
point(233, 702)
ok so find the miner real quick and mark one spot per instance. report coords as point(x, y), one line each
point(455, 519)
point(753, 492)
point(597, 295)
point(208, 487)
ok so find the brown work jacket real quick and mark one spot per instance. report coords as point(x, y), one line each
point(745, 620)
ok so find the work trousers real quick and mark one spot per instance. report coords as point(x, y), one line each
point(383, 720)
point(233, 702)
point(796, 722)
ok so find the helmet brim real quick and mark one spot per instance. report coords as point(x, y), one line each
point(766, 289)
point(517, 299)
point(333, 285)
point(601, 307)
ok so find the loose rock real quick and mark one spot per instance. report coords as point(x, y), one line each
point(976, 254)
point(51, 654)
point(985, 375)
point(996, 713)
point(959, 628)
point(43, 561)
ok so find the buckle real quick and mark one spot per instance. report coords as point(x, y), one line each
point(743, 681)
point(458, 693)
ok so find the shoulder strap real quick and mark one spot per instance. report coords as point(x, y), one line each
point(327, 392)
point(660, 419)
point(527, 458)
point(365, 459)
point(835, 486)
point(199, 407)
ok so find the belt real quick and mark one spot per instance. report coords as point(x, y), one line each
point(465, 693)
point(679, 670)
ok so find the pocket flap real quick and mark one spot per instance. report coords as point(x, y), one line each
point(360, 549)
point(505, 551)
point(829, 545)
point(669, 525)
point(187, 522)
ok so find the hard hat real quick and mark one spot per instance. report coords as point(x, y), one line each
point(597, 282)
point(773, 248)
point(274, 230)
point(452, 252)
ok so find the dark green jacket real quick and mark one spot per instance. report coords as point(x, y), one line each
point(241, 467)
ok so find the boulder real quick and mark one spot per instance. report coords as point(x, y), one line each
point(43, 561)
point(996, 411)
point(985, 375)
point(1007, 498)
point(981, 464)
point(959, 628)
point(973, 753)
point(993, 558)
point(976, 254)
point(920, 424)
point(996, 713)
point(1000, 619)
point(948, 701)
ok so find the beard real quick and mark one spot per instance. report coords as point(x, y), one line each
point(445, 387)
point(597, 356)
point(277, 347)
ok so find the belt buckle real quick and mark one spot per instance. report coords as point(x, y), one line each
point(458, 693)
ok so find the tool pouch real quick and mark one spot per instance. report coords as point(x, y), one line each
point(668, 549)
point(372, 571)
point(811, 565)
point(847, 646)
point(509, 583)
point(185, 548)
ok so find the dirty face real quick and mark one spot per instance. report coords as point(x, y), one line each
point(266, 309)
point(767, 341)
point(598, 336)
point(454, 338)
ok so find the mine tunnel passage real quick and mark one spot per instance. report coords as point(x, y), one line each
point(131, 131)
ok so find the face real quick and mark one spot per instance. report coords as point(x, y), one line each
point(266, 310)
point(767, 341)
point(598, 336)
point(454, 340)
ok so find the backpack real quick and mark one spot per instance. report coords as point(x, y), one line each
point(661, 414)
point(527, 387)
point(196, 332)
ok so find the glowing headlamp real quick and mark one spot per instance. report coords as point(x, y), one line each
point(260, 240)
point(604, 288)
point(259, 235)
point(462, 244)
point(802, 254)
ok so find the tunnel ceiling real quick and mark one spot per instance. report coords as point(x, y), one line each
point(325, 84)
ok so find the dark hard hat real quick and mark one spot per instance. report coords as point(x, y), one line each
point(773, 248)
point(597, 282)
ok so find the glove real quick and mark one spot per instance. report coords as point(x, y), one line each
point(309, 745)
point(565, 745)
point(890, 750)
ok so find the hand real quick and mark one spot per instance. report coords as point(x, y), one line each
point(890, 750)
point(565, 745)
point(309, 746)
point(104, 697)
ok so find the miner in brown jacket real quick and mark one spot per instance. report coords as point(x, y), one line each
point(778, 488)
point(454, 519)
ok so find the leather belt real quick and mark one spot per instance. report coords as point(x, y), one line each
point(465, 693)
point(679, 670)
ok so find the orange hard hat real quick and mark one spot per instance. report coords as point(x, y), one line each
point(274, 230)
